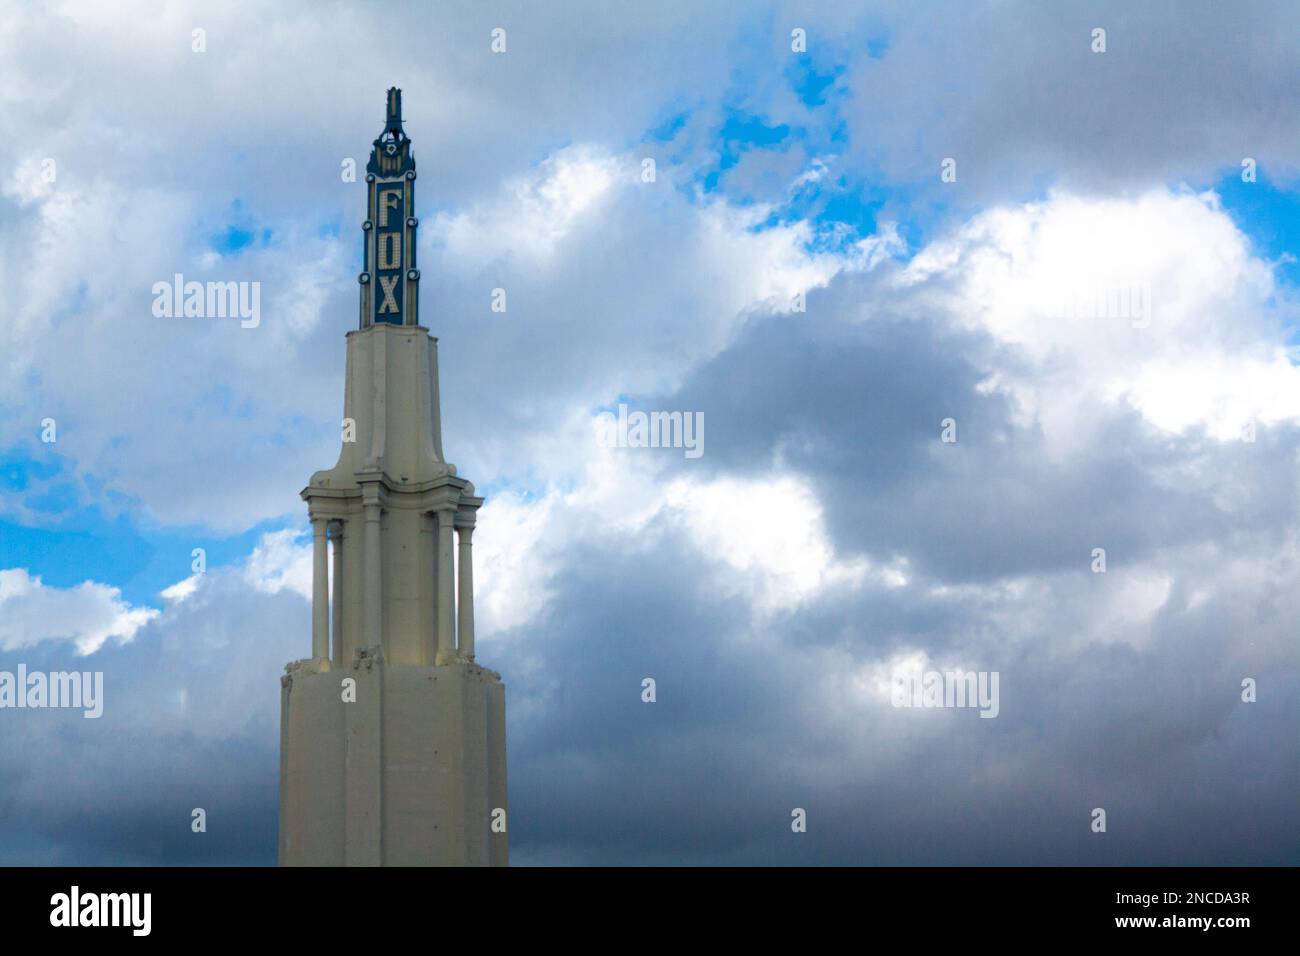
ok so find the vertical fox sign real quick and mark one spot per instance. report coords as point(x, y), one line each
point(390, 280)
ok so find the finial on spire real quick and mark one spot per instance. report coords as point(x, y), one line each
point(392, 153)
point(394, 109)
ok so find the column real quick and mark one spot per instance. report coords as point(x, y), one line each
point(336, 532)
point(428, 569)
point(465, 577)
point(372, 608)
point(446, 606)
point(320, 592)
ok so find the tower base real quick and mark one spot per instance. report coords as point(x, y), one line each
point(404, 767)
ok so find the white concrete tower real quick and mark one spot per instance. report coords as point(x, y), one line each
point(392, 739)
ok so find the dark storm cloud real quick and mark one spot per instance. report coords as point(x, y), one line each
point(190, 720)
point(1098, 710)
point(742, 733)
point(853, 399)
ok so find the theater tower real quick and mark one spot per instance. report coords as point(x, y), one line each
point(392, 737)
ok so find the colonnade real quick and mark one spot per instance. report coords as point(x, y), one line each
point(453, 624)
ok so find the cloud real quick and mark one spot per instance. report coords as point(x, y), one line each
point(190, 719)
point(88, 615)
point(1159, 301)
point(1015, 94)
point(783, 561)
point(280, 562)
point(831, 420)
point(757, 716)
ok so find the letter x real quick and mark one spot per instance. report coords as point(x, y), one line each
point(388, 284)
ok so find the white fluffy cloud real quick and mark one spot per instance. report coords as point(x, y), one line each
point(281, 561)
point(87, 615)
point(1158, 300)
point(90, 614)
point(775, 564)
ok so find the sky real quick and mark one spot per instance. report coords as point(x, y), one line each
point(962, 292)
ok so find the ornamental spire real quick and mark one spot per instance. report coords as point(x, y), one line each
point(391, 155)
